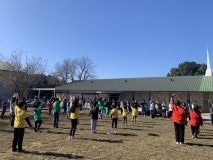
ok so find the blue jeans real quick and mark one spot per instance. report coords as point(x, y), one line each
point(152, 112)
point(93, 124)
point(101, 113)
point(56, 119)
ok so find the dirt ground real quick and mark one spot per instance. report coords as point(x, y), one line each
point(147, 139)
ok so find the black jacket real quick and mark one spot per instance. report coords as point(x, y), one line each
point(94, 113)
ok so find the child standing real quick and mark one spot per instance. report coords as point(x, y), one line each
point(124, 114)
point(50, 107)
point(134, 113)
point(74, 119)
point(195, 121)
point(37, 116)
point(56, 110)
point(114, 115)
point(19, 125)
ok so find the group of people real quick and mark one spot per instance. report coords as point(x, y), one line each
point(18, 115)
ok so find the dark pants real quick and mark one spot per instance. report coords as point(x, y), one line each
point(56, 119)
point(37, 125)
point(12, 117)
point(163, 113)
point(211, 118)
point(179, 132)
point(74, 123)
point(114, 121)
point(169, 114)
point(194, 131)
point(152, 112)
point(124, 120)
point(2, 114)
point(18, 138)
point(50, 111)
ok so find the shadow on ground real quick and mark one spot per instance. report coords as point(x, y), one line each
point(201, 145)
point(55, 154)
point(104, 140)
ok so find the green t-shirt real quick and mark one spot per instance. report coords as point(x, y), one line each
point(37, 114)
point(56, 106)
point(101, 104)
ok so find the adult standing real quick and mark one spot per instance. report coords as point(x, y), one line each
point(12, 113)
point(163, 112)
point(179, 117)
point(152, 109)
point(94, 117)
point(65, 106)
point(56, 110)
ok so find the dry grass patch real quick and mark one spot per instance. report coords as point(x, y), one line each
point(130, 142)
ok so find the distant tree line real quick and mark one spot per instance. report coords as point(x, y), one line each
point(24, 73)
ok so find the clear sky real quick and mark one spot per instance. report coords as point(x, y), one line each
point(124, 38)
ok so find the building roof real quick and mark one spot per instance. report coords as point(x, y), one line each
point(156, 84)
point(5, 66)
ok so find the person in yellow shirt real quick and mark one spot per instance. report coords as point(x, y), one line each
point(114, 115)
point(125, 111)
point(134, 113)
point(74, 114)
point(19, 126)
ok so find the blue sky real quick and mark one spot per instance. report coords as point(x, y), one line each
point(124, 38)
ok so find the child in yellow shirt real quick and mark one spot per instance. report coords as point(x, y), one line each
point(19, 125)
point(114, 115)
point(134, 114)
point(125, 111)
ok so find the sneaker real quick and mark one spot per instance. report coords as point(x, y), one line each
point(56, 127)
point(181, 143)
point(73, 137)
point(21, 150)
point(14, 150)
point(177, 142)
point(69, 137)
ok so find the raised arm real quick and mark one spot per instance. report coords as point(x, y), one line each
point(172, 98)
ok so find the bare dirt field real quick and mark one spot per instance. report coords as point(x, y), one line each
point(131, 142)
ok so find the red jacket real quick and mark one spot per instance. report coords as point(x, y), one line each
point(195, 118)
point(179, 114)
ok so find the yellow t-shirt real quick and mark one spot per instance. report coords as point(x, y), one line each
point(124, 112)
point(134, 111)
point(75, 115)
point(114, 112)
point(20, 116)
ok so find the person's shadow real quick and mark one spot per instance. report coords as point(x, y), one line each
point(70, 156)
point(200, 145)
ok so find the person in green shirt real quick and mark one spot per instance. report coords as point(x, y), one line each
point(56, 110)
point(37, 115)
point(101, 107)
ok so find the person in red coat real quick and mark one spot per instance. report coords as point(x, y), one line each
point(195, 121)
point(179, 117)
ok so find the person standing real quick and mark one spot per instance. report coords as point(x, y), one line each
point(94, 117)
point(50, 106)
point(74, 119)
point(65, 106)
point(114, 115)
point(179, 117)
point(163, 112)
point(101, 107)
point(195, 121)
point(106, 106)
point(37, 116)
point(143, 103)
point(19, 126)
point(124, 114)
point(134, 113)
point(56, 110)
point(211, 112)
point(12, 113)
point(152, 109)
point(4, 108)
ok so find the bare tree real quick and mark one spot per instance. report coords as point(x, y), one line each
point(77, 69)
point(85, 69)
point(21, 74)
